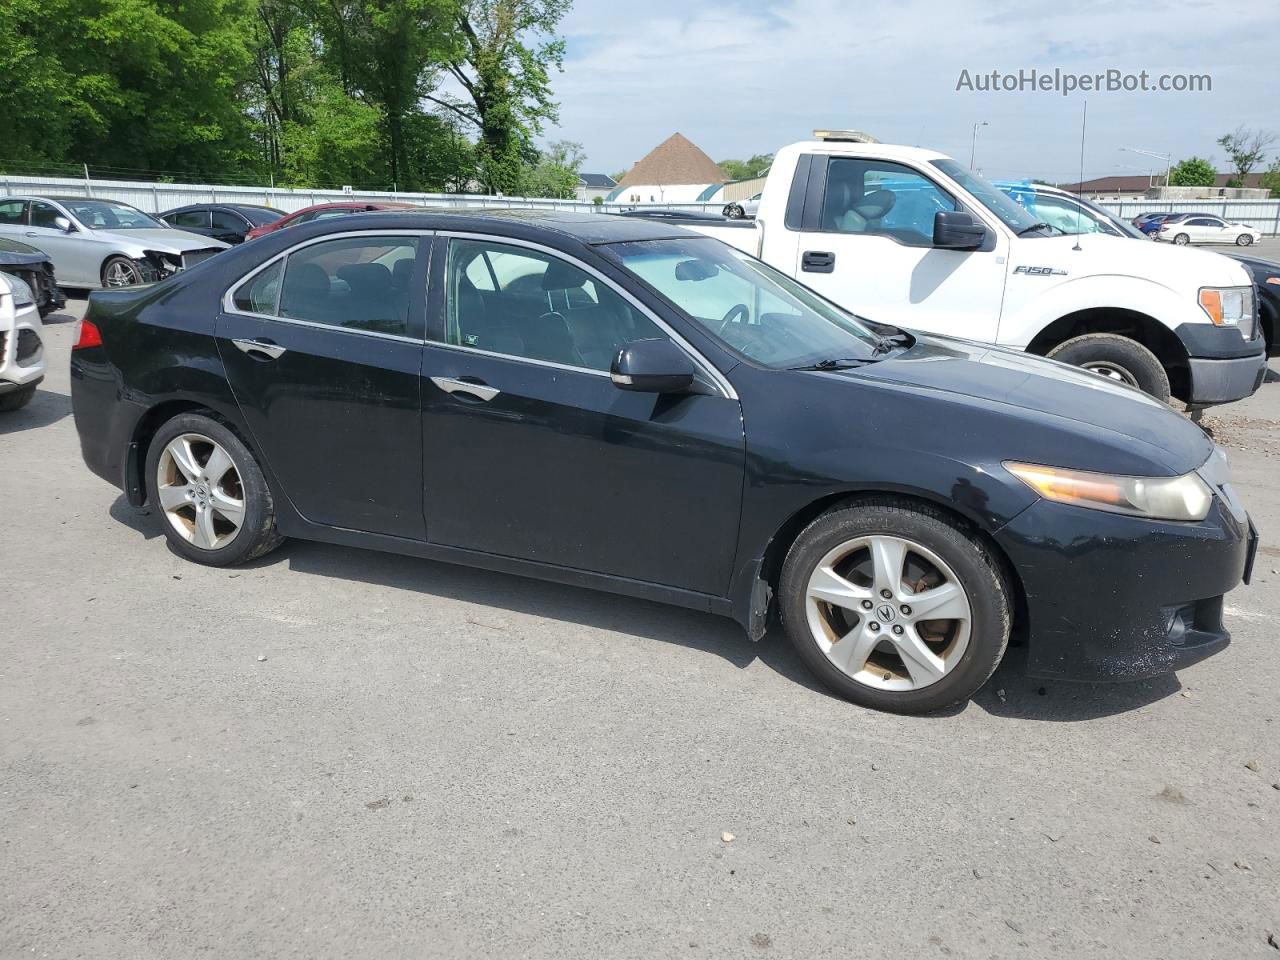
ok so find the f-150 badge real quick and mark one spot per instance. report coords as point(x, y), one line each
point(1040, 271)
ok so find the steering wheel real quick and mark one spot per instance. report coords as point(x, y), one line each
point(734, 311)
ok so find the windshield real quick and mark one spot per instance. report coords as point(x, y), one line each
point(106, 215)
point(757, 311)
point(1016, 217)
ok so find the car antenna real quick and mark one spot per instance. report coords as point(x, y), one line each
point(1084, 121)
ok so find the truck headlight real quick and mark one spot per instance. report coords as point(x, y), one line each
point(1158, 498)
point(1228, 306)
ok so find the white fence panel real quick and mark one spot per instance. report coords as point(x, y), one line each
point(1262, 214)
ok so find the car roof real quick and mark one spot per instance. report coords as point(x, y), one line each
point(357, 205)
point(586, 228)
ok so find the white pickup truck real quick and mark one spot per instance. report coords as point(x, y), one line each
point(909, 237)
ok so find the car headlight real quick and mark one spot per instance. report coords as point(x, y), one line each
point(1228, 306)
point(22, 295)
point(1158, 498)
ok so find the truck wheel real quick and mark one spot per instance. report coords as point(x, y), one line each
point(1117, 358)
point(17, 399)
point(1244, 240)
point(895, 606)
point(120, 272)
point(1182, 239)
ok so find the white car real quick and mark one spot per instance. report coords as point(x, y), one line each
point(741, 209)
point(102, 243)
point(22, 363)
point(1206, 229)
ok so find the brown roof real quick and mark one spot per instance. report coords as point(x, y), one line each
point(674, 160)
point(1139, 183)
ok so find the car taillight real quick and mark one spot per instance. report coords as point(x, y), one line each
point(90, 335)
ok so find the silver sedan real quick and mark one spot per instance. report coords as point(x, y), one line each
point(102, 243)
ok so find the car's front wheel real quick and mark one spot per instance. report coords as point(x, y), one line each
point(1117, 358)
point(1182, 239)
point(895, 605)
point(120, 272)
point(1244, 240)
point(17, 399)
point(210, 492)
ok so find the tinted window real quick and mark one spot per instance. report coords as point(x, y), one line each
point(11, 211)
point(360, 283)
point(260, 216)
point(222, 220)
point(528, 304)
point(1203, 222)
point(876, 197)
point(190, 218)
point(44, 214)
point(259, 294)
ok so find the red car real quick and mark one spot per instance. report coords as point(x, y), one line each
point(321, 211)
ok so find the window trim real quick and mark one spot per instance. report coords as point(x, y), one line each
point(718, 379)
point(228, 296)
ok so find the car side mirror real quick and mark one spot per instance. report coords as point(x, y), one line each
point(63, 224)
point(957, 230)
point(652, 366)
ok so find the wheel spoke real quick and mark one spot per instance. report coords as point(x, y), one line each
point(173, 496)
point(887, 557)
point(228, 508)
point(828, 586)
point(184, 459)
point(922, 663)
point(851, 651)
point(205, 535)
point(217, 466)
point(946, 602)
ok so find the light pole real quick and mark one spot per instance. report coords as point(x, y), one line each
point(973, 146)
point(1166, 157)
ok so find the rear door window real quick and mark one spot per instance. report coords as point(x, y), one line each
point(356, 283)
point(190, 219)
point(11, 212)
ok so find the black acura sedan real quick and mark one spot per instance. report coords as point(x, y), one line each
point(620, 404)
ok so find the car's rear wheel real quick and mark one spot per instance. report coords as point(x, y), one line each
point(895, 605)
point(1117, 358)
point(120, 272)
point(17, 399)
point(1182, 239)
point(1244, 240)
point(210, 492)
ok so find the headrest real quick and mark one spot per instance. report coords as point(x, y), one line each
point(308, 279)
point(875, 204)
point(561, 276)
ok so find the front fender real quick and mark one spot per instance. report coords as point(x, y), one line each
point(1112, 292)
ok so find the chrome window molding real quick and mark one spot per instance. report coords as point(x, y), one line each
point(228, 296)
point(717, 379)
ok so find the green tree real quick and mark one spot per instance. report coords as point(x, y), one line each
point(556, 172)
point(1245, 149)
point(1192, 172)
point(1271, 179)
point(502, 56)
point(747, 169)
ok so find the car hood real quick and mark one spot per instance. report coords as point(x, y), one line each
point(162, 240)
point(1164, 263)
point(1256, 265)
point(17, 253)
point(1050, 389)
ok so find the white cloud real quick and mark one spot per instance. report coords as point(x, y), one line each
point(742, 78)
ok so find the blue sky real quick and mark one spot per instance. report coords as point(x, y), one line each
point(740, 77)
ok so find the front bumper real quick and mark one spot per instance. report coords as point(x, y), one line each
point(22, 360)
point(1110, 597)
point(1223, 365)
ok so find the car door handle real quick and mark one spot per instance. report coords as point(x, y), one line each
point(271, 351)
point(818, 261)
point(478, 390)
point(32, 233)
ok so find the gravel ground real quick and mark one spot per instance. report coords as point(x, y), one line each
point(337, 753)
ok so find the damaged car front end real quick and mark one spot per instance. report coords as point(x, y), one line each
point(35, 269)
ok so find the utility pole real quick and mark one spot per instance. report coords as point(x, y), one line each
point(1166, 157)
point(973, 146)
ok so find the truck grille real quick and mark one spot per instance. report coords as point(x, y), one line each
point(192, 257)
point(28, 344)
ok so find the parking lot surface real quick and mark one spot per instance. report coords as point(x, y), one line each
point(334, 752)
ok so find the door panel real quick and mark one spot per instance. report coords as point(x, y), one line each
point(562, 467)
point(872, 252)
point(74, 255)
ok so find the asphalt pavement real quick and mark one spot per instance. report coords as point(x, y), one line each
point(338, 753)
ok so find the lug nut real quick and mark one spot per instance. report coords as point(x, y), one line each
point(906, 611)
point(887, 594)
point(873, 626)
point(897, 630)
point(866, 604)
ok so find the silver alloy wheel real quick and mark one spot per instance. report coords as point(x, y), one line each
point(200, 491)
point(888, 612)
point(121, 273)
point(1182, 239)
point(1244, 240)
point(1112, 371)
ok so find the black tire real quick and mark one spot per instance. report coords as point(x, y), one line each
point(977, 569)
point(119, 263)
point(1244, 240)
point(1182, 239)
point(1111, 353)
point(734, 211)
point(17, 399)
point(257, 535)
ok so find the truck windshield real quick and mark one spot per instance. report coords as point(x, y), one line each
point(1015, 217)
point(757, 311)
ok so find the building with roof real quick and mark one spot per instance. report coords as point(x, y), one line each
point(1152, 187)
point(675, 171)
point(592, 185)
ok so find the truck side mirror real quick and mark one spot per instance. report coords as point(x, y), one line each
point(957, 230)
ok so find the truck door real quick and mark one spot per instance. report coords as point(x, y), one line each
point(866, 242)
